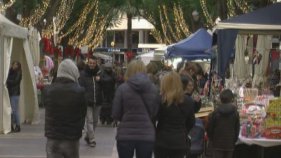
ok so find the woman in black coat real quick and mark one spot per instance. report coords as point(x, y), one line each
point(13, 85)
point(188, 86)
point(175, 119)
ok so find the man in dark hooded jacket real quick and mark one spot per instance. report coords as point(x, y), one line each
point(65, 112)
point(224, 126)
point(90, 80)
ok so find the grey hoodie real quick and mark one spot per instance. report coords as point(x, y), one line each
point(68, 69)
point(129, 108)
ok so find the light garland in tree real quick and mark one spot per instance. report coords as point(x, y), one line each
point(242, 5)
point(99, 34)
point(157, 35)
point(7, 5)
point(36, 15)
point(49, 30)
point(167, 20)
point(180, 18)
point(81, 20)
point(64, 13)
point(164, 29)
point(177, 21)
point(92, 26)
point(206, 13)
point(231, 8)
point(79, 27)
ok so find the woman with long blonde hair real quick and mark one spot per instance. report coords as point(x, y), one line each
point(134, 105)
point(175, 119)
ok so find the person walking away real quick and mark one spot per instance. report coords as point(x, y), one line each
point(175, 119)
point(223, 126)
point(90, 80)
point(108, 88)
point(65, 106)
point(135, 105)
point(13, 85)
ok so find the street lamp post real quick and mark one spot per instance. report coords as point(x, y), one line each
point(196, 22)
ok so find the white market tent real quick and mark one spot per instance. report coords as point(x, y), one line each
point(15, 46)
point(264, 22)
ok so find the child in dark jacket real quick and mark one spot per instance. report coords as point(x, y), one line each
point(223, 126)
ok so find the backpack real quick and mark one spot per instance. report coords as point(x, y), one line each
point(197, 134)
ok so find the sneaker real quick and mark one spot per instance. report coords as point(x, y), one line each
point(87, 140)
point(92, 144)
point(17, 128)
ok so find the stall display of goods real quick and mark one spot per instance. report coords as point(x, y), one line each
point(252, 116)
point(250, 94)
point(272, 123)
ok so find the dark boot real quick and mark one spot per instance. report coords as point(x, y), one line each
point(12, 128)
point(17, 128)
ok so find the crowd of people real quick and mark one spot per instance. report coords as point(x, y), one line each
point(154, 112)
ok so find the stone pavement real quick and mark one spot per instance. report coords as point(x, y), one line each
point(30, 143)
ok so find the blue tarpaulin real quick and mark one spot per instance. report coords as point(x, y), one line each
point(196, 46)
point(268, 18)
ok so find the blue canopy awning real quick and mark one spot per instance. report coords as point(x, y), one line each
point(267, 18)
point(196, 46)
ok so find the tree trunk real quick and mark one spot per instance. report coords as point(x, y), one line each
point(222, 9)
point(129, 31)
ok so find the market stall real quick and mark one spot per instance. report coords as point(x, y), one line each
point(15, 46)
point(248, 38)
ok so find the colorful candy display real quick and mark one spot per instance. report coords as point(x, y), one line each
point(272, 123)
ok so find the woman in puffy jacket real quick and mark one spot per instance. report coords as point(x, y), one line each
point(135, 103)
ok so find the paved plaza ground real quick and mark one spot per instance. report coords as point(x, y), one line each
point(30, 143)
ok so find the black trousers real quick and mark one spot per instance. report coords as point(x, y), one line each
point(62, 148)
point(169, 153)
point(143, 149)
point(222, 154)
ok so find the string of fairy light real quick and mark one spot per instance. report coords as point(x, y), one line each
point(7, 5)
point(99, 33)
point(79, 27)
point(92, 27)
point(231, 8)
point(35, 15)
point(206, 13)
point(177, 22)
point(164, 29)
point(173, 26)
point(167, 20)
point(61, 16)
point(65, 15)
point(181, 21)
point(155, 33)
point(241, 4)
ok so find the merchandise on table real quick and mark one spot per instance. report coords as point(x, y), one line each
point(272, 123)
point(250, 94)
point(252, 116)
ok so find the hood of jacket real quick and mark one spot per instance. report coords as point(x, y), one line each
point(67, 69)
point(139, 82)
point(226, 109)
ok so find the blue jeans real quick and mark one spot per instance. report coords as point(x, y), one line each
point(92, 119)
point(62, 148)
point(15, 109)
point(126, 149)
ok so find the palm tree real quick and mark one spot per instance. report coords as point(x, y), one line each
point(131, 8)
